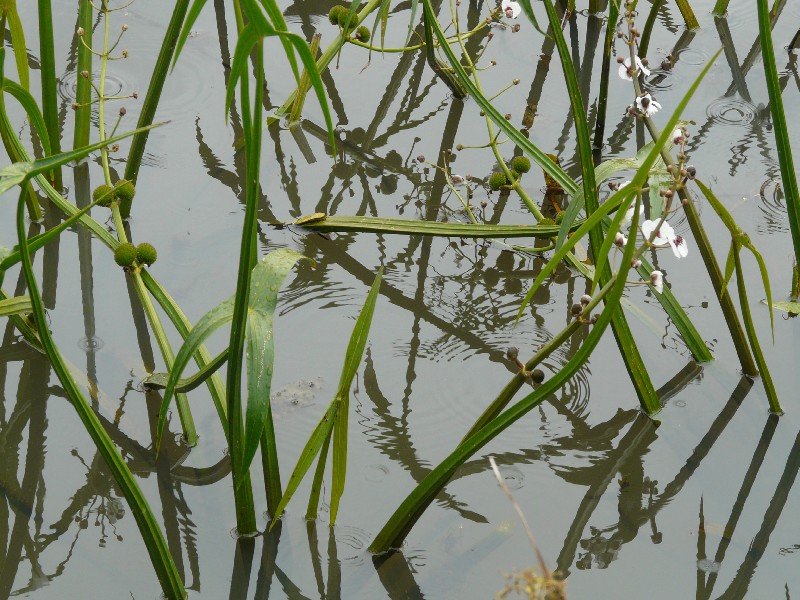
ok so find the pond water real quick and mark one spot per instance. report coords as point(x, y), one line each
point(701, 504)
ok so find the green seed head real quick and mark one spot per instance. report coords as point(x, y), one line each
point(146, 254)
point(124, 190)
point(521, 164)
point(362, 34)
point(343, 19)
point(125, 254)
point(560, 218)
point(333, 15)
point(547, 222)
point(103, 195)
point(497, 180)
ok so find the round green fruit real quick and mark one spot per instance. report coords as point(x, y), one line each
point(146, 254)
point(125, 254)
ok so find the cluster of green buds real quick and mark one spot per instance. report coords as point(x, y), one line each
point(127, 255)
point(519, 165)
point(123, 191)
point(338, 16)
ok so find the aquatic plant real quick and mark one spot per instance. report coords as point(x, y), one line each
point(621, 233)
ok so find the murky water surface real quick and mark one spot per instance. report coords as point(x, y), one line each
point(700, 505)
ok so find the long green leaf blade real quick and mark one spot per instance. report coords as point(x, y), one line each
point(353, 357)
point(780, 127)
point(267, 277)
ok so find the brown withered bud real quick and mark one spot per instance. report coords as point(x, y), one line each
point(80, 32)
point(421, 158)
point(508, 117)
point(484, 204)
point(135, 95)
point(124, 27)
point(515, 82)
point(85, 74)
point(576, 310)
point(122, 112)
point(75, 106)
point(537, 376)
point(115, 148)
point(691, 172)
point(620, 60)
point(512, 353)
point(515, 28)
point(125, 53)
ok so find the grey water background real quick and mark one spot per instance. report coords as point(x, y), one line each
point(701, 505)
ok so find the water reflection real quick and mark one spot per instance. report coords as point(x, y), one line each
point(459, 299)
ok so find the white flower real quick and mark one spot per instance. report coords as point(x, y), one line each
point(657, 281)
point(665, 236)
point(625, 69)
point(677, 136)
point(511, 8)
point(646, 105)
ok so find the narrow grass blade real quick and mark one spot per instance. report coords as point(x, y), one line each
point(155, 543)
point(9, 9)
point(208, 324)
point(412, 20)
point(316, 487)
point(353, 357)
point(601, 257)
point(780, 127)
point(325, 223)
point(528, 10)
point(267, 277)
point(318, 438)
point(31, 109)
point(159, 381)
point(191, 17)
point(740, 238)
point(153, 95)
point(15, 173)
point(48, 82)
point(752, 335)
point(334, 421)
point(19, 305)
point(276, 16)
point(400, 523)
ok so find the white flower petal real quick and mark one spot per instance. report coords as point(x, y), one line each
point(679, 247)
point(624, 69)
point(657, 281)
point(511, 8)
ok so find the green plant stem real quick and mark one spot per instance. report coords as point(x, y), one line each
point(720, 8)
point(687, 13)
point(766, 377)
point(48, 79)
point(157, 547)
point(154, 89)
point(242, 487)
point(83, 93)
point(782, 141)
point(101, 101)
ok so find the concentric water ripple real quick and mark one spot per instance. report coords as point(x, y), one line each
point(732, 111)
point(773, 208)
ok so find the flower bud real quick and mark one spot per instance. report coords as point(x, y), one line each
point(512, 353)
point(122, 111)
point(537, 376)
point(80, 32)
point(585, 299)
point(576, 310)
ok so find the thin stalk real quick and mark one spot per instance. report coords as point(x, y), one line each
point(605, 75)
